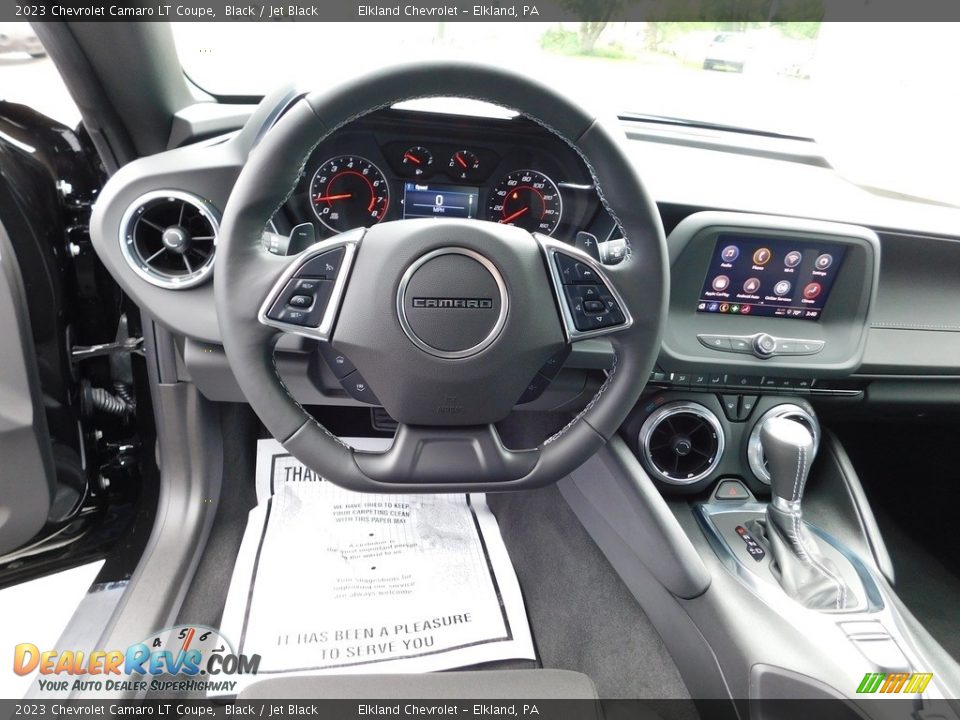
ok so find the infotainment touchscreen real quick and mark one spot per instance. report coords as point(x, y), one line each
point(774, 277)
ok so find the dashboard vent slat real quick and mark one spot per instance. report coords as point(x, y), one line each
point(169, 237)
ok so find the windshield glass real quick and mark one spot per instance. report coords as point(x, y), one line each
point(877, 97)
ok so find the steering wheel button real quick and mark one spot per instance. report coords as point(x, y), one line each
point(338, 362)
point(325, 265)
point(554, 363)
point(307, 287)
point(294, 317)
point(358, 388)
point(534, 389)
point(584, 273)
point(594, 307)
point(300, 301)
point(567, 267)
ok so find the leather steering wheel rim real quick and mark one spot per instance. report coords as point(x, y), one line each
point(245, 274)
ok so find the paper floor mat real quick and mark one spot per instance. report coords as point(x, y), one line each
point(330, 581)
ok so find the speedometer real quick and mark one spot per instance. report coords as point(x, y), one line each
point(527, 199)
point(349, 192)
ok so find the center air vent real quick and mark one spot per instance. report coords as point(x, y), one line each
point(682, 442)
point(169, 237)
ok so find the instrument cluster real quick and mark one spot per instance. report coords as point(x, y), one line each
point(440, 168)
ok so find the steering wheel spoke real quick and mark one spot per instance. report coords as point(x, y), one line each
point(464, 456)
point(306, 299)
point(589, 302)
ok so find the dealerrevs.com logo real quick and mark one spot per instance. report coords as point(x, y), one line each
point(903, 683)
point(182, 658)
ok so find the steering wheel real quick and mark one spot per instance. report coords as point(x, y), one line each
point(448, 321)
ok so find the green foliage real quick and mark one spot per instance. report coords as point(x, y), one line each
point(558, 40)
point(567, 42)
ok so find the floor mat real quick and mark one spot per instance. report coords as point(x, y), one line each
point(329, 581)
point(583, 617)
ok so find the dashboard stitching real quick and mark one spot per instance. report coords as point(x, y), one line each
point(556, 436)
point(915, 326)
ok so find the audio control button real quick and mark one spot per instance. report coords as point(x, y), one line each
point(715, 342)
point(764, 345)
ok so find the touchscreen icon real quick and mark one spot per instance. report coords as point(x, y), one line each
point(824, 261)
point(762, 256)
point(721, 283)
point(782, 287)
point(724, 307)
point(744, 309)
point(751, 286)
point(730, 253)
point(713, 307)
point(811, 290)
point(792, 258)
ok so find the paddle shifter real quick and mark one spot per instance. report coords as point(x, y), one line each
point(805, 574)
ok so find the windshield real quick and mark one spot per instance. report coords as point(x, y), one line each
point(878, 97)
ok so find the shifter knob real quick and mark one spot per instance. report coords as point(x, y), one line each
point(788, 447)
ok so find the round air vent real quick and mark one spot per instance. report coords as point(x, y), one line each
point(755, 455)
point(682, 442)
point(169, 237)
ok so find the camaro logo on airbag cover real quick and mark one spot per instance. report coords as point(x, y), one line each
point(453, 303)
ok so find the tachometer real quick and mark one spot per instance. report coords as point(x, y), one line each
point(347, 192)
point(527, 199)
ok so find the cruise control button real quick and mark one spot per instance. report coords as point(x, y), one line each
point(338, 362)
point(358, 389)
point(325, 265)
point(310, 315)
point(294, 317)
point(300, 301)
point(307, 286)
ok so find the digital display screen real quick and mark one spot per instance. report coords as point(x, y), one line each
point(449, 201)
point(770, 277)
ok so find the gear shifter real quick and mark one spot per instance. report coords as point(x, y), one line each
point(805, 574)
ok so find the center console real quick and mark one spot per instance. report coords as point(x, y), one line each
point(789, 589)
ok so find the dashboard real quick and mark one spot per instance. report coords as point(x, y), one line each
point(757, 299)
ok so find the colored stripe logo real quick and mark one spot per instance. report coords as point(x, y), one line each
point(908, 683)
